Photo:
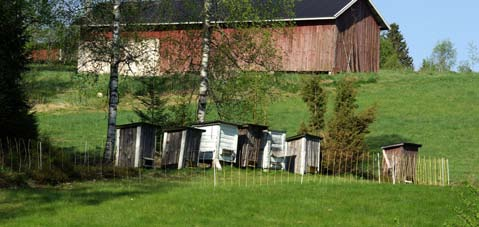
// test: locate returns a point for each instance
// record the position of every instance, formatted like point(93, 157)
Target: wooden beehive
point(135, 145)
point(399, 161)
point(274, 148)
point(219, 139)
point(181, 147)
point(250, 139)
point(303, 154)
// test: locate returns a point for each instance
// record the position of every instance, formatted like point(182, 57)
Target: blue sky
point(424, 22)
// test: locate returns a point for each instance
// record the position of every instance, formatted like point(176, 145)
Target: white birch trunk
point(201, 111)
point(113, 85)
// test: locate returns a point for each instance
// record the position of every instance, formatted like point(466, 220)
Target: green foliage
point(315, 97)
point(243, 98)
point(394, 50)
point(347, 129)
point(464, 67)
point(444, 56)
point(16, 118)
point(303, 129)
point(153, 102)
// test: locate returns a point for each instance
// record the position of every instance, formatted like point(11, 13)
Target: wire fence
point(18, 155)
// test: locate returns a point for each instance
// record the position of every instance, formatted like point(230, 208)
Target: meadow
point(166, 200)
point(437, 110)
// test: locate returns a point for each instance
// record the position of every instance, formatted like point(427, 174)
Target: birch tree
point(201, 112)
point(113, 84)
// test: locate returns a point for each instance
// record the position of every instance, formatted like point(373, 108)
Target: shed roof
point(264, 127)
point(401, 145)
point(308, 136)
point(166, 12)
point(211, 123)
point(178, 129)
point(136, 124)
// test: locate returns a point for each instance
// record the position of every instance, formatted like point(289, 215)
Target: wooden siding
point(147, 144)
point(357, 47)
point(403, 161)
point(249, 145)
point(294, 154)
point(192, 148)
point(171, 151)
point(127, 144)
point(313, 157)
point(307, 47)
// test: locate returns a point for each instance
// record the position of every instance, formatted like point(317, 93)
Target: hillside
point(438, 111)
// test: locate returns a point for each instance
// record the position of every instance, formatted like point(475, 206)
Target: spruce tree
point(315, 98)
point(16, 117)
point(345, 139)
point(400, 47)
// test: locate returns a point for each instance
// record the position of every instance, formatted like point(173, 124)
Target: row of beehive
point(247, 145)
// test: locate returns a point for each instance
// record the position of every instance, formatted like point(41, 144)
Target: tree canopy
point(16, 117)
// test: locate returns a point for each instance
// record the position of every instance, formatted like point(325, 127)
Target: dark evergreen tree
point(16, 117)
point(154, 105)
point(315, 98)
point(345, 139)
point(400, 48)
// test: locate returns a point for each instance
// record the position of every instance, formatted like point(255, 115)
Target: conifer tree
point(400, 48)
point(16, 118)
point(345, 139)
point(315, 98)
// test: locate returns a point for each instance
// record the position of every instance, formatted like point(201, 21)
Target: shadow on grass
point(376, 142)
point(46, 201)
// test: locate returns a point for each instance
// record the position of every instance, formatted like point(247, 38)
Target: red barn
point(329, 36)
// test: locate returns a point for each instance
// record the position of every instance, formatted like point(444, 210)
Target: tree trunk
point(201, 111)
point(113, 86)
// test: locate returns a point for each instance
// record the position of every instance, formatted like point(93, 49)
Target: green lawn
point(161, 202)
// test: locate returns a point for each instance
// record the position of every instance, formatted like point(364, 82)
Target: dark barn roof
point(164, 12)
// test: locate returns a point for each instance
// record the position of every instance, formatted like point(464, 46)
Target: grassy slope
point(173, 203)
point(438, 111)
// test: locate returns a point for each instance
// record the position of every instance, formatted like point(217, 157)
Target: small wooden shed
point(303, 154)
point(135, 145)
point(181, 147)
point(219, 138)
point(250, 140)
point(274, 150)
point(399, 161)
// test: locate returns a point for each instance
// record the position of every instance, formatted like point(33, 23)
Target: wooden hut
point(135, 145)
point(250, 141)
point(219, 138)
point(303, 154)
point(274, 150)
point(181, 147)
point(399, 161)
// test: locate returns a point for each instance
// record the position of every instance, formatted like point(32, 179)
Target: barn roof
point(167, 12)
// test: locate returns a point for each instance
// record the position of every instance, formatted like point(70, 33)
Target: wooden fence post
point(379, 170)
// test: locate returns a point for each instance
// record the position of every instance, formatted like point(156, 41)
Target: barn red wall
point(357, 48)
point(308, 47)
